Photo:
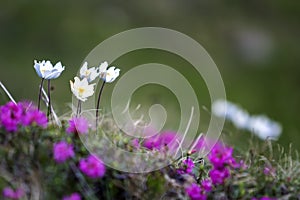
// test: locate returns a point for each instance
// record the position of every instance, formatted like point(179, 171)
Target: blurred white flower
point(260, 125)
point(232, 112)
point(240, 119)
point(82, 89)
point(46, 70)
point(110, 74)
point(89, 73)
point(263, 127)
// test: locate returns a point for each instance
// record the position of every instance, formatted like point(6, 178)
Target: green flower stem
point(40, 93)
point(78, 108)
point(49, 103)
point(98, 104)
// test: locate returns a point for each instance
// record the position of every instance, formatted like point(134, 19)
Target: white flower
point(240, 119)
point(232, 112)
point(110, 74)
point(102, 68)
point(90, 74)
point(82, 89)
point(260, 125)
point(263, 127)
point(46, 70)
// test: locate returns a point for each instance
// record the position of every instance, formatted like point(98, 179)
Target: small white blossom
point(263, 127)
point(260, 125)
point(102, 68)
point(89, 73)
point(46, 70)
point(82, 89)
point(110, 74)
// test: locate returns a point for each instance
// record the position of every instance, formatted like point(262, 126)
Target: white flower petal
point(103, 66)
point(45, 69)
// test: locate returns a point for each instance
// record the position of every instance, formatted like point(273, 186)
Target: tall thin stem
point(78, 108)
point(40, 93)
point(98, 103)
point(49, 104)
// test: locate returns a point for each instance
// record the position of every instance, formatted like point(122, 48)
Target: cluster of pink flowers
point(13, 115)
point(264, 198)
point(10, 193)
point(74, 196)
point(165, 139)
point(199, 192)
point(186, 167)
point(221, 158)
point(78, 125)
point(222, 161)
point(92, 166)
point(62, 151)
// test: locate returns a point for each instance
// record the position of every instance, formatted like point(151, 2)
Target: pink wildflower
point(206, 185)
point(92, 166)
point(195, 192)
point(10, 116)
point(167, 138)
point(218, 176)
point(13, 194)
point(78, 125)
point(62, 151)
point(187, 166)
point(74, 196)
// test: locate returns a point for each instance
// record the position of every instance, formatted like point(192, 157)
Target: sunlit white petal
point(82, 89)
point(46, 70)
point(89, 73)
point(111, 74)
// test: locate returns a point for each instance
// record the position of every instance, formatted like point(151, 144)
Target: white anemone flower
point(110, 74)
point(89, 73)
point(82, 89)
point(102, 68)
point(46, 70)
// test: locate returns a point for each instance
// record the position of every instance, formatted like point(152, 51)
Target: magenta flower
point(218, 176)
point(92, 166)
point(167, 138)
point(74, 196)
point(187, 167)
point(62, 151)
point(264, 198)
point(221, 156)
point(78, 125)
point(8, 192)
point(269, 171)
point(35, 117)
point(206, 185)
point(24, 113)
point(195, 192)
point(10, 116)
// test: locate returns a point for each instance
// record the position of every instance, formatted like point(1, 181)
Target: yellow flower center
point(81, 90)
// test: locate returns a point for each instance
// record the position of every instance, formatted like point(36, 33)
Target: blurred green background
point(255, 45)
